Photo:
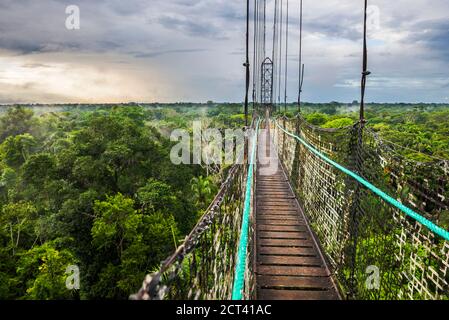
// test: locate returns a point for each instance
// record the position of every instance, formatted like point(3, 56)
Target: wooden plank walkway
point(289, 265)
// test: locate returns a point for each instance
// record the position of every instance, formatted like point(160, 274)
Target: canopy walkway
point(314, 213)
point(289, 263)
point(309, 227)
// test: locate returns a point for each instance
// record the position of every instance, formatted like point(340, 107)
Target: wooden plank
point(268, 188)
point(277, 215)
point(283, 235)
point(273, 176)
point(279, 196)
point(277, 211)
point(297, 228)
point(270, 294)
point(276, 203)
point(271, 197)
point(274, 194)
point(291, 271)
point(285, 242)
point(280, 207)
point(265, 216)
point(272, 282)
point(287, 251)
point(273, 260)
point(276, 198)
point(279, 222)
point(276, 175)
point(266, 183)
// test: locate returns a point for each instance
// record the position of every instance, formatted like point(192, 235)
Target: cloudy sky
point(193, 50)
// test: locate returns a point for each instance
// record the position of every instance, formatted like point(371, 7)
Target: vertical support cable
point(280, 53)
point(285, 82)
point(286, 62)
point(254, 54)
point(264, 28)
point(301, 65)
point(259, 48)
point(259, 44)
point(246, 64)
point(365, 72)
point(358, 167)
point(274, 53)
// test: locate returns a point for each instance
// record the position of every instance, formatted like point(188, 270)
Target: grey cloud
point(21, 46)
point(36, 65)
point(336, 26)
point(432, 33)
point(160, 53)
point(201, 29)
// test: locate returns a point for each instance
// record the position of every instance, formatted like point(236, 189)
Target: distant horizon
point(206, 103)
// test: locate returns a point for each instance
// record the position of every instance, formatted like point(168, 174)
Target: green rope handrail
point(239, 276)
point(409, 212)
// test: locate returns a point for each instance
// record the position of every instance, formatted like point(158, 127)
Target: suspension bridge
point(314, 214)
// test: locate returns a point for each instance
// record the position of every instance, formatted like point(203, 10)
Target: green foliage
point(38, 168)
point(317, 119)
point(17, 121)
point(421, 132)
point(203, 191)
point(17, 221)
point(339, 123)
point(157, 196)
point(115, 223)
point(43, 271)
point(91, 186)
point(131, 235)
point(14, 151)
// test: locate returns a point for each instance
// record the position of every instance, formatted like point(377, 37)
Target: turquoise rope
point(430, 225)
point(239, 278)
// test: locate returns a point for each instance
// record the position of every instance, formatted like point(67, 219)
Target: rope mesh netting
point(360, 232)
point(203, 267)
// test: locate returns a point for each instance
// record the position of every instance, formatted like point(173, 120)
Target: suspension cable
point(258, 52)
point(254, 53)
point(264, 28)
point(274, 53)
point(286, 62)
point(246, 64)
point(301, 65)
point(365, 72)
point(280, 53)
